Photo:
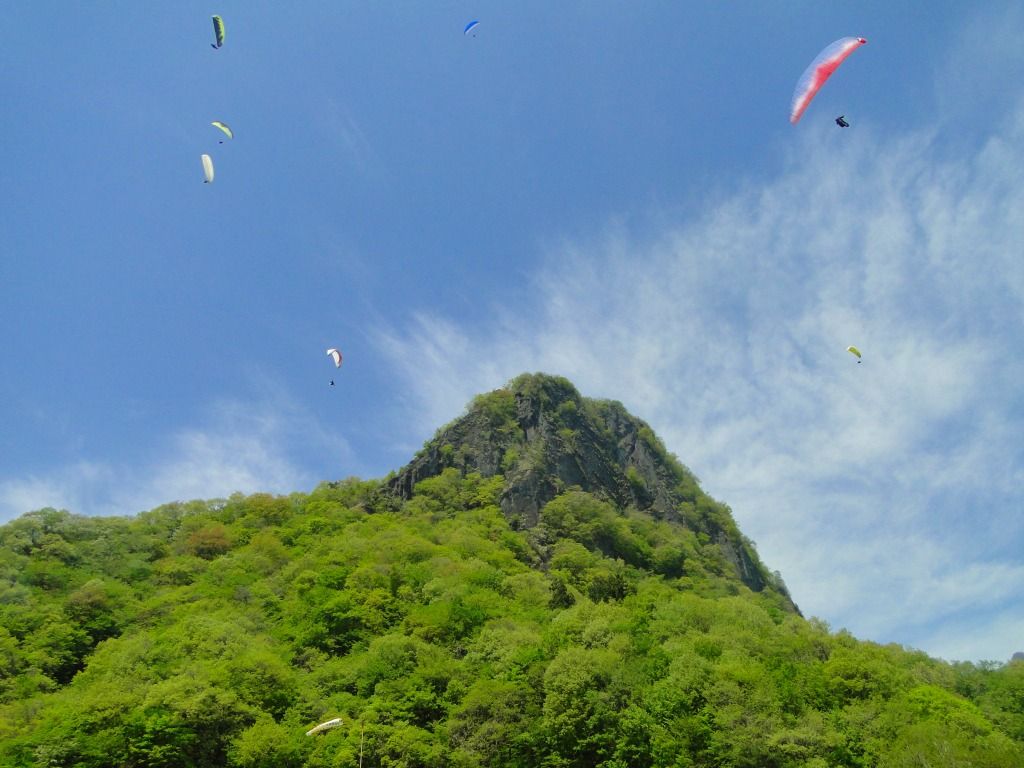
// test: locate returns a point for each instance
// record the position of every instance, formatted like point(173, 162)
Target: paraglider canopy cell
point(820, 70)
point(218, 32)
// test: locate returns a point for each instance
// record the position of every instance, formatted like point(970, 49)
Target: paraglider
point(824, 64)
point(208, 169)
point(841, 122)
point(335, 355)
point(470, 27)
point(324, 726)
point(218, 32)
point(223, 127)
point(854, 351)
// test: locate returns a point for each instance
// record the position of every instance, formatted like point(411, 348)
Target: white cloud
point(975, 639)
point(888, 493)
point(66, 489)
point(245, 447)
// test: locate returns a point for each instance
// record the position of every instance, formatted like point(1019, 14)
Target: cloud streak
point(243, 446)
point(888, 493)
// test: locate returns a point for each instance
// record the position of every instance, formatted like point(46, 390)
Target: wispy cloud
point(339, 124)
point(242, 446)
point(888, 492)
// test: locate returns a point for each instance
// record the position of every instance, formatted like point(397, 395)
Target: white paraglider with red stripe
point(820, 70)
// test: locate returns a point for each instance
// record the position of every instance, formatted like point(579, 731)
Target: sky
point(606, 191)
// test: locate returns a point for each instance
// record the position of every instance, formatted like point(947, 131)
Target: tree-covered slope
point(445, 632)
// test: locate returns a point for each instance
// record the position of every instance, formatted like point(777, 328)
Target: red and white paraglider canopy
point(820, 70)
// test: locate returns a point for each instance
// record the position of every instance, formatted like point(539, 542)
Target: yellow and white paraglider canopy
point(854, 351)
point(224, 128)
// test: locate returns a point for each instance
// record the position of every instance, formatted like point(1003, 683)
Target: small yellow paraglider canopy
point(223, 127)
point(854, 351)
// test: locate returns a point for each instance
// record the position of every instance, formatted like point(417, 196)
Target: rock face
point(544, 438)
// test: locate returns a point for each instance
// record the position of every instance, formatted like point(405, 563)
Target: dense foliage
point(213, 634)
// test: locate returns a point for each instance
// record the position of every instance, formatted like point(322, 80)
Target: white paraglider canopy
point(324, 726)
point(208, 169)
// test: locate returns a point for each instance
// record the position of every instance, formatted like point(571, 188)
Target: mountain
point(544, 438)
point(542, 585)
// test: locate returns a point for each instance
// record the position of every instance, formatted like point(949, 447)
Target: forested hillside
point(446, 627)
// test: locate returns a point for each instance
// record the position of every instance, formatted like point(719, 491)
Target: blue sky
point(608, 191)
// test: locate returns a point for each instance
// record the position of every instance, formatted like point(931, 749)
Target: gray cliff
point(544, 438)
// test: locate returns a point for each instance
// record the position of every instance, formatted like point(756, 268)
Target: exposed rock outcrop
point(544, 438)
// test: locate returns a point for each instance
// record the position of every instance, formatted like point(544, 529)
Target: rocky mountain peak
point(544, 438)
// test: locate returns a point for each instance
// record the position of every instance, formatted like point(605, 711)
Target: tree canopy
point(216, 633)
